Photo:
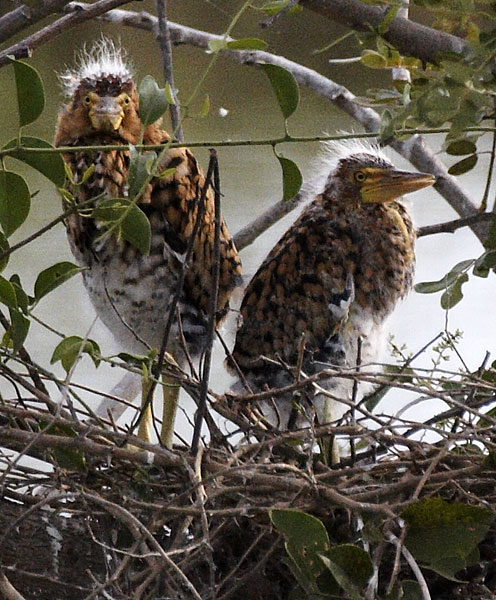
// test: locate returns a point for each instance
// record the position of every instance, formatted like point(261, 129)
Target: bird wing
point(176, 198)
point(305, 286)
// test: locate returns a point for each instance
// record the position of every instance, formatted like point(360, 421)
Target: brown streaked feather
point(120, 280)
point(342, 264)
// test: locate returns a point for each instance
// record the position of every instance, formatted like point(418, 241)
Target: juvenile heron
point(321, 296)
point(131, 291)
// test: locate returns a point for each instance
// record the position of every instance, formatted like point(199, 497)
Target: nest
point(106, 515)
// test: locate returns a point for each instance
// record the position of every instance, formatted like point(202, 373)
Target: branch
point(8, 591)
point(23, 17)
point(249, 233)
point(413, 149)
point(163, 38)
point(25, 47)
point(409, 38)
point(452, 226)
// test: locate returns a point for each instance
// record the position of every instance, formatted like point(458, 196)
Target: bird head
point(369, 178)
point(103, 95)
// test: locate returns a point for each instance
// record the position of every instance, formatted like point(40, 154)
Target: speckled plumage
point(131, 292)
point(333, 278)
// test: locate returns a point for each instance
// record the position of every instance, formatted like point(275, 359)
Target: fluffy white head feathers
point(103, 58)
point(325, 164)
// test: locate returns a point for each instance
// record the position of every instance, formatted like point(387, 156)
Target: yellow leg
point(171, 390)
point(145, 428)
point(330, 449)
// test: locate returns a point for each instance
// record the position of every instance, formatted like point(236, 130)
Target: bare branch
point(23, 17)
point(409, 38)
point(8, 591)
point(26, 46)
point(455, 224)
point(163, 38)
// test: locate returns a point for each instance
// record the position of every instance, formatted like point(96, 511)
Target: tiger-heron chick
point(130, 291)
point(326, 288)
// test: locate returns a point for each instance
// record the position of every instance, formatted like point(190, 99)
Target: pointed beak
point(106, 114)
point(385, 185)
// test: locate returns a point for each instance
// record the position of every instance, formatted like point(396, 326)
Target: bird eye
point(359, 176)
point(87, 100)
point(127, 100)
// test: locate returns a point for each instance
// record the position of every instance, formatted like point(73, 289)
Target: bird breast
point(131, 292)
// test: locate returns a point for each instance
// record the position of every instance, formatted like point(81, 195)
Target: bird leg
point(146, 418)
point(170, 389)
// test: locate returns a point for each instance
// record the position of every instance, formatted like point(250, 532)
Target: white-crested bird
point(132, 291)
point(328, 285)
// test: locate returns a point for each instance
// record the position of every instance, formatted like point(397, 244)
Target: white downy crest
point(104, 57)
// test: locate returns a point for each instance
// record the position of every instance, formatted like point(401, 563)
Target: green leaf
point(51, 278)
point(463, 165)
point(169, 94)
point(71, 347)
point(217, 45)
point(15, 201)
point(205, 107)
point(306, 538)
point(430, 287)
point(4, 246)
point(291, 177)
point(128, 220)
point(67, 458)
point(373, 60)
point(406, 590)
point(49, 165)
point(461, 148)
point(152, 101)
point(272, 8)
point(136, 229)
point(350, 566)
point(439, 533)
point(140, 170)
point(458, 70)
point(485, 263)
point(247, 44)
point(7, 293)
point(285, 88)
point(22, 297)
point(384, 24)
point(453, 294)
point(386, 126)
point(30, 94)
point(19, 329)
point(167, 173)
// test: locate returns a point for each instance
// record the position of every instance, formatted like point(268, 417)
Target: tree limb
point(25, 47)
point(409, 38)
point(452, 226)
point(23, 17)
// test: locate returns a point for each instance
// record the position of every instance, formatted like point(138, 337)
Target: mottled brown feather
point(171, 205)
point(303, 286)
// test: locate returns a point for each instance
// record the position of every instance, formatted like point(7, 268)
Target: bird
point(322, 295)
point(131, 291)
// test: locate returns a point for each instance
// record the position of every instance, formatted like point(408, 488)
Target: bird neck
point(398, 214)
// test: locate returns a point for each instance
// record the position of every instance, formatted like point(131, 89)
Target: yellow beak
point(106, 114)
point(383, 185)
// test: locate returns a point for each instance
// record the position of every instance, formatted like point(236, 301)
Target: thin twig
point(202, 403)
point(128, 518)
point(163, 38)
point(413, 565)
